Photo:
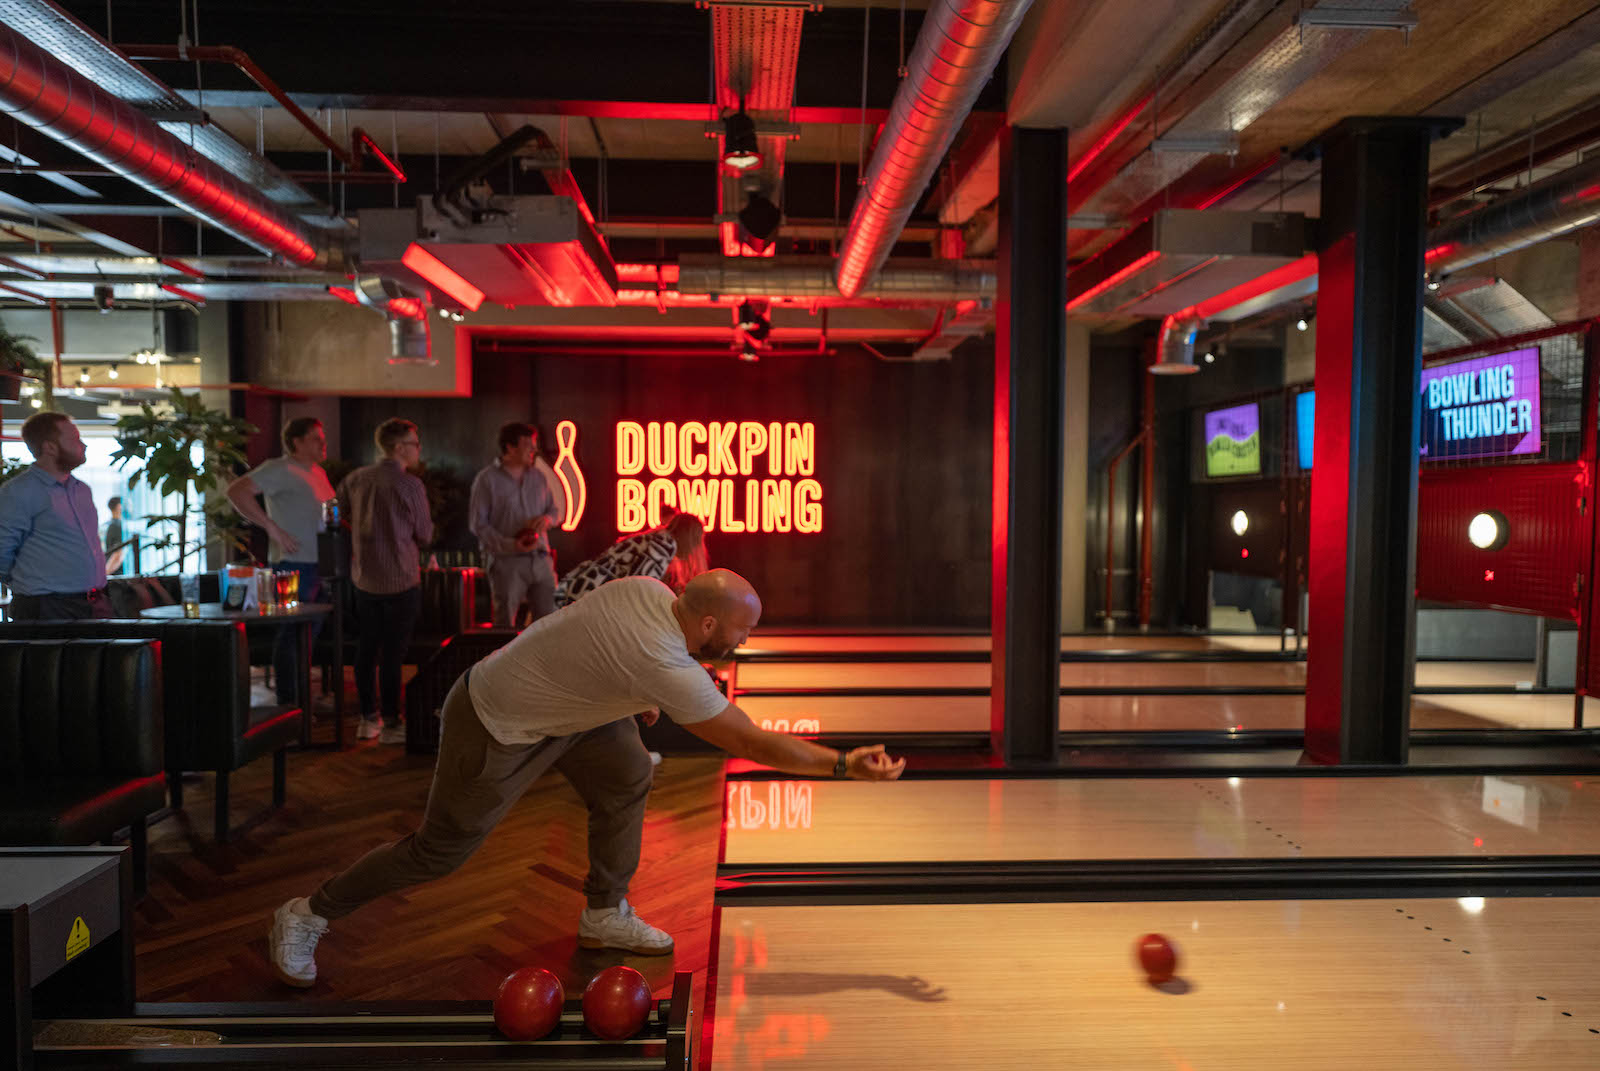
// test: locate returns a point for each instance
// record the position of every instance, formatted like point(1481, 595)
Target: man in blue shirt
point(50, 551)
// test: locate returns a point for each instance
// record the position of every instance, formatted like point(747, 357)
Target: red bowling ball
point(616, 1003)
point(528, 1004)
point(1158, 958)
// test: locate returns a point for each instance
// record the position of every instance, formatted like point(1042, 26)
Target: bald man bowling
point(563, 694)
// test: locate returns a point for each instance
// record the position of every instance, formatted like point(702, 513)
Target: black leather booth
point(81, 741)
point(210, 724)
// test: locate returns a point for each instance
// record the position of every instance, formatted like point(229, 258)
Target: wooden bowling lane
point(1133, 675)
point(1319, 985)
point(802, 822)
point(937, 643)
point(1134, 713)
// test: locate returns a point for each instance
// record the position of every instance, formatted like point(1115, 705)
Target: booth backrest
point(80, 706)
point(205, 673)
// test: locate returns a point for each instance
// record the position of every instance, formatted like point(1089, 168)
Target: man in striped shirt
point(387, 509)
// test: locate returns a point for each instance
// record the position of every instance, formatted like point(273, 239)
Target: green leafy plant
point(18, 357)
point(10, 468)
point(163, 440)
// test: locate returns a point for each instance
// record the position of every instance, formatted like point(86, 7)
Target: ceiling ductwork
point(71, 107)
point(1547, 209)
point(812, 277)
point(957, 49)
point(1182, 257)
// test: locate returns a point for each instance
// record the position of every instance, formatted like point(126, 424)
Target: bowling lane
point(801, 822)
point(912, 674)
point(939, 643)
point(1389, 985)
point(1134, 713)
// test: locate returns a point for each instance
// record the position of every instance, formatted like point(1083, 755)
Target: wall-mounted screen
point(1483, 407)
point(1305, 422)
point(1233, 441)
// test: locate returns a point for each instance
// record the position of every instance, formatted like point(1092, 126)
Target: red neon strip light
point(187, 295)
point(442, 276)
point(1249, 176)
point(1107, 138)
point(344, 294)
point(365, 143)
point(1113, 279)
point(177, 265)
point(410, 308)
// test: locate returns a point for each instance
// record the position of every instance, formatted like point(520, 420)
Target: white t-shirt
point(295, 494)
point(613, 653)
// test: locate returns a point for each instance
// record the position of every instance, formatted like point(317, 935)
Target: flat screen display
point(1233, 441)
point(1483, 407)
point(1305, 422)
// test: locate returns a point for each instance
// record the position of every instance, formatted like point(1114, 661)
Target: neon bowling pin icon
point(570, 474)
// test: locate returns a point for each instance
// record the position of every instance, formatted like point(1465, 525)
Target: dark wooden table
point(304, 618)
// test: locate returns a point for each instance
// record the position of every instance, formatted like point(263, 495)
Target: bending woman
point(673, 553)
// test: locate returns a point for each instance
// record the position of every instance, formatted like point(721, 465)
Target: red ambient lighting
point(409, 308)
point(442, 276)
point(1244, 552)
point(1113, 279)
point(1488, 574)
point(344, 294)
point(1107, 138)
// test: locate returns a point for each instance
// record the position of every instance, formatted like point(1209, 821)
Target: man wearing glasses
point(387, 509)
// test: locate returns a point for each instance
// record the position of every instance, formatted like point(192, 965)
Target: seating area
point(82, 740)
point(205, 718)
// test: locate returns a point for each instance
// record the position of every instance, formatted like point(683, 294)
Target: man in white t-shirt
point(294, 487)
point(563, 694)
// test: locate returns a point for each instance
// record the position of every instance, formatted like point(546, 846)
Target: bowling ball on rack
point(616, 1003)
point(528, 1004)
point(1158, 957)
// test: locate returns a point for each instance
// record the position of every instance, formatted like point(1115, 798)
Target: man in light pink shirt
point(387, 508)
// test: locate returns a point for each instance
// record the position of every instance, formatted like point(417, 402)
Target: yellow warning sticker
point(78, 940)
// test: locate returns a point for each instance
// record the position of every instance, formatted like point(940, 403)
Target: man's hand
point(873, 764)
point(651, 716)
point(527, 539)
point(288, 542)
point(540, 524)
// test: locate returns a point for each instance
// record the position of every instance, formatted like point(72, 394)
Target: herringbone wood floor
point(202, 928)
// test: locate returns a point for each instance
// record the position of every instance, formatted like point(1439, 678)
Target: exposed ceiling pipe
point(957, 49)
point(803, 277)
point(57, 100)
point(1564, 202)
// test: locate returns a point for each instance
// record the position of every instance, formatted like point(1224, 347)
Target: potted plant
point(19, 361)
point(164, 441)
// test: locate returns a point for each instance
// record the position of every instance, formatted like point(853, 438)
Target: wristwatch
point(842, 767)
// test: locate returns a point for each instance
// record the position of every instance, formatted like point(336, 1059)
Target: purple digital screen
point(1233, 441)
point(1483, 407)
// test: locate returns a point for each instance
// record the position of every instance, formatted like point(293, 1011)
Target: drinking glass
point(189, 584)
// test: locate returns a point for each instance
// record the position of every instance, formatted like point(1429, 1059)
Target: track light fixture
point(113, 374)
point(740, 150)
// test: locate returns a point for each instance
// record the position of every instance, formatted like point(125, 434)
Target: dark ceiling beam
point(1515, 155)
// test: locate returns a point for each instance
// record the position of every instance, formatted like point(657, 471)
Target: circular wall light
point(1488, 530)
point(1240, 523)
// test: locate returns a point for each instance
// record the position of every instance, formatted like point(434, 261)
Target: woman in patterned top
point(673, 553)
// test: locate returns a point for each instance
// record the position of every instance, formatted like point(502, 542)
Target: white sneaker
point(655, 758)
point(619, 927)
point(292, 944)
point(392, 734)
point(368, 729)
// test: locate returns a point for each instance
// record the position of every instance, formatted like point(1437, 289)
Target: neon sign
point(571, 476)
point(715, 466)
point(787, 805)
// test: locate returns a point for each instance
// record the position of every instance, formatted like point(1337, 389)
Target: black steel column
point(1362, 586)
point(1030, 358)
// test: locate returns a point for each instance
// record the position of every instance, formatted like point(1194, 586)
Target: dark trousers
point(58, 607)
point(477, 780)
point(386, 623)
point(286, 653)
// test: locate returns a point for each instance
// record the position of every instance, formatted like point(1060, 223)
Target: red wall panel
point(1547, 551)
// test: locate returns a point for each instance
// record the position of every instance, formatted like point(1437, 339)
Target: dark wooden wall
point(903, 455)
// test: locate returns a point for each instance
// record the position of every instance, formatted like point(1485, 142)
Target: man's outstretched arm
point(734, 732)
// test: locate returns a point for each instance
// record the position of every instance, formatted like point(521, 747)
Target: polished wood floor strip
point(804, 822)
point(201, 931)
point(1326, 984)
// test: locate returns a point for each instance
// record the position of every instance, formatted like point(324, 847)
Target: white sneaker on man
point(369, 729)
point(619, 927)
point(292, 943)
point(392, 734)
